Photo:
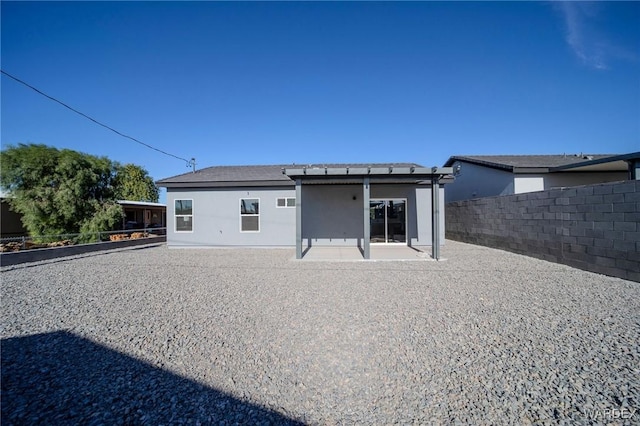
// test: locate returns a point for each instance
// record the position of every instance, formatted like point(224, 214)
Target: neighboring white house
point(479, 176)
point(291, 205)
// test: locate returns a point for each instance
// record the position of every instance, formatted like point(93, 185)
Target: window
point(184, 215)
point(285, 202)
point(250, 215)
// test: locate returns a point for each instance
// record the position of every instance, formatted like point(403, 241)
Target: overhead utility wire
point(189, 162)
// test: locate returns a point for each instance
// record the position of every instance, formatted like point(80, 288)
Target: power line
point(189, 162)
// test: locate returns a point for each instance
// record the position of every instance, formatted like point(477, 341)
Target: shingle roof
point(509, 162)
point(249, 175)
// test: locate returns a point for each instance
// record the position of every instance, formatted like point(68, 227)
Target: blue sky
point(314, 82)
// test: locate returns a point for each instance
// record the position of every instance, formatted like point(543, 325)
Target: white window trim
point(249, 215)
point(176, 216)
point(286, 204)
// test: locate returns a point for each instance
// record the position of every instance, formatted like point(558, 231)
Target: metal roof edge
point(140, 203)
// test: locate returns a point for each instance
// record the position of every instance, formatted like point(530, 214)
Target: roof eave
point(633, 156)
point(205, 184)
point(490, 164)
point(529, 170)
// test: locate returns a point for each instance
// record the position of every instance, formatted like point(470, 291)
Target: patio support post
point(367, 219)
point(298, 218)
point(435, 216)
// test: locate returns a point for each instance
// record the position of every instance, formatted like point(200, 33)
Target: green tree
point(107, 216)
point(64, 191)
point(133, 183)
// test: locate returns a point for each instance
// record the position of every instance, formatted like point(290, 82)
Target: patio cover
point(366, 176)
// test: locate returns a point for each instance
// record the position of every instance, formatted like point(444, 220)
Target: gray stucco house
point(479, 176)
point(303, 206)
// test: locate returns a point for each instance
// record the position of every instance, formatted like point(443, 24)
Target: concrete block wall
point(592, 227)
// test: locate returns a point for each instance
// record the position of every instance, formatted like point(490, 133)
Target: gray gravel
point(161, 336)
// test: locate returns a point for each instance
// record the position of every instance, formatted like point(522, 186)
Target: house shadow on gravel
point(59, 378)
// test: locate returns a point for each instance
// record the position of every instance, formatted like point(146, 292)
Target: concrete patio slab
point(378, 253)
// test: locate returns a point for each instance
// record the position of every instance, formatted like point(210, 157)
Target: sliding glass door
point(388, 221)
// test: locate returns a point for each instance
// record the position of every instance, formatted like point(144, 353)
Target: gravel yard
point(224, 336)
